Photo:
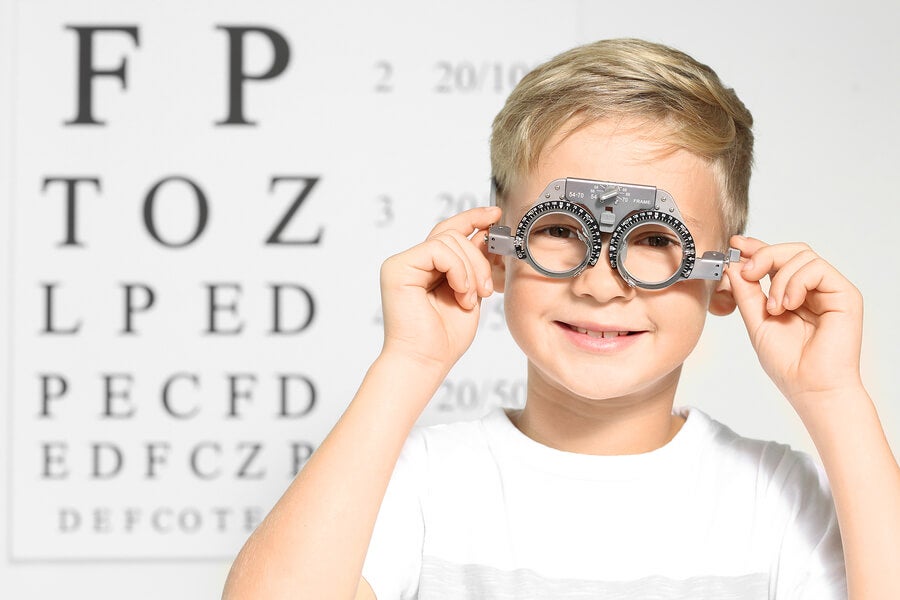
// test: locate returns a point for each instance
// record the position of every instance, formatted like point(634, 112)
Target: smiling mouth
point(597, 334)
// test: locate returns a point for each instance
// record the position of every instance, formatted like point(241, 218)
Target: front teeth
point(600, 334)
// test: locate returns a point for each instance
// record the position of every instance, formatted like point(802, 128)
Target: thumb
point(748, 295)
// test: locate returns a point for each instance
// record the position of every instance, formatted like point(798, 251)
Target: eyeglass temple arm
point(712, 264)
point(499, 240)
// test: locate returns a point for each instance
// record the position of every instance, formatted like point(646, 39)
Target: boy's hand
point(431, 293)
point(808, 331)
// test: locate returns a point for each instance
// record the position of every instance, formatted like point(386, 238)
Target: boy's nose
point(601, 282)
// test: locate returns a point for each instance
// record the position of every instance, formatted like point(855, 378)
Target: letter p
point(237, 75)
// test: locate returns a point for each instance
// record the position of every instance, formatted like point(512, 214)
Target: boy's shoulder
point(775, 470)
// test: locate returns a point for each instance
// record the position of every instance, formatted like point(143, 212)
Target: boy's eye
point(654, 240)
point(560, 231)
point(657, 241)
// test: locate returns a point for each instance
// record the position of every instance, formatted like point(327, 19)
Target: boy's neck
point(616, 426)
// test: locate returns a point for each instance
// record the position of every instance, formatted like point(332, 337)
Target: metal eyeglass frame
point(615, 209)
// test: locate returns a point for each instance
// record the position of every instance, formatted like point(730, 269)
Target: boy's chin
point(611, 389)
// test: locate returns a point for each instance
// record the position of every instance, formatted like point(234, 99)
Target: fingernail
point(785, 301)
point(747, 265)
point(488, 285)
point(473, 299)
point(770, 305)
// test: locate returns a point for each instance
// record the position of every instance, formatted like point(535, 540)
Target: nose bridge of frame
point(611, 202)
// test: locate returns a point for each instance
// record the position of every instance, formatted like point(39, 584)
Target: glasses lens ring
point(619, 240)
point(589, 235)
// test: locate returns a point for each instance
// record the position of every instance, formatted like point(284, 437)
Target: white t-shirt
point(479, 510)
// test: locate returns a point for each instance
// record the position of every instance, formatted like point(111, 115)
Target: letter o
point(202, 212)
point(189, 520)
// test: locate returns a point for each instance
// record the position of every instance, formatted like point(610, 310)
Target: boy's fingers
point(765, 259)
point(807, 278)
point(783, 276)
point(746, 290)
point(748, 295)
point(794, 270)
point(474, 250)
point(747, 245)
point(458, 245)
point(833, 292)
point(434, 259)
point(425, 266)
point(468, 221)
point(461, 228)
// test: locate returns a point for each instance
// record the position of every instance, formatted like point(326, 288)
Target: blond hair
point(629, 78)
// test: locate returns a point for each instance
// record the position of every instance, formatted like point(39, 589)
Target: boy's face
point(592, 335)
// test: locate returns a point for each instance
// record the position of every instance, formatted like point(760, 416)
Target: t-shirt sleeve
point(811, 558)
point(394, 558)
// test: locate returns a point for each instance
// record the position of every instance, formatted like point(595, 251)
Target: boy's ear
point(498, 271)
point(722, 302)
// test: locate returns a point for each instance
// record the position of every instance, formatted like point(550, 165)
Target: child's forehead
point(622, 149)
point(626, 151)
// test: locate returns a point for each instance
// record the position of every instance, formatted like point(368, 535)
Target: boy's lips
point(602, 338)
point(597, 334)
point(599, 331)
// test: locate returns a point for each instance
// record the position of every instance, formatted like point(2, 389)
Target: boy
point(597, 488)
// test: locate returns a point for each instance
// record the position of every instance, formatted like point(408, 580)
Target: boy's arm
point(314, 541)
point(808, 334)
